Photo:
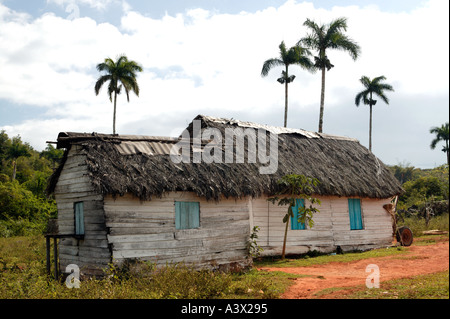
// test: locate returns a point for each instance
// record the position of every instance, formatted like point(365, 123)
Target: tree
point(293, 187)
point(53, 154)
point(403, 172)
point(442, 134)
point(121, 73)
point(5, 143)
point(15, 150)
point(323, 37)
point(376, 87)
point(295, 55)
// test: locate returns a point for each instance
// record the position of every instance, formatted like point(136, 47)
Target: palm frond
point(361, 96)
point(365, 81)
point(107, 65)
point(269, 64)
point(336, 26)
point(343, 43)
point(310, 41)
point(130, 84)
point(373, 86)
point(100, 81)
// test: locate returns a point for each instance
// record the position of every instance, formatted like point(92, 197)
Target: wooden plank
point(160, 245)
point(140, 238)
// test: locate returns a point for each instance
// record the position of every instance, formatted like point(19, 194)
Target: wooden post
point(55, 255)
point(47, 244)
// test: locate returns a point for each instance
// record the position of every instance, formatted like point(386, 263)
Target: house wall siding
point(146, 230)
point(90, 254)
point(331, 227)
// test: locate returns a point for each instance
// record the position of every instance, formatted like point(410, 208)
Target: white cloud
point(96, 4)
point(201, 61)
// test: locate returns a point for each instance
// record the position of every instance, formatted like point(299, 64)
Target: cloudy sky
point(205, 57)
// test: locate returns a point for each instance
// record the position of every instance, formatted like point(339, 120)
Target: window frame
point(78, 214)
point(193, 221)
point(353, 214)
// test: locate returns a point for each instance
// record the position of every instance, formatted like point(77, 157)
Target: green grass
point(418, 225)
point(23, 275)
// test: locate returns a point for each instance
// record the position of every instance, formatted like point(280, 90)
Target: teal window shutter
point(187, 215)
point(295, 225)
point(79, 218)
point(354, 210)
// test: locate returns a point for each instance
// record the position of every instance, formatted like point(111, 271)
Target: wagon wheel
point(404, 236)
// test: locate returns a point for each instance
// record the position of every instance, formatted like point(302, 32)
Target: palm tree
point(323, 37)
point(119, 73)
point(376, 87)
point(295, 55)
point(442, 134)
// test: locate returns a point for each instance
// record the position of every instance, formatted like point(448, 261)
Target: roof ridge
point(276, 129)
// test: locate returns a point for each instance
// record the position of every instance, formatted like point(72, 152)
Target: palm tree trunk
point(322, 100)
point(114, 113)
point(285, 103)
point(370, 127)
point(370, 122)
point(448, 159)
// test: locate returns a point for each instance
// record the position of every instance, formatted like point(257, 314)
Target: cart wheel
point(404, 236)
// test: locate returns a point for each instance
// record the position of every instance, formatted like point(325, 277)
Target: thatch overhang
point(141, 165)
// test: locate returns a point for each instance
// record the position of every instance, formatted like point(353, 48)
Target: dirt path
point(418, 261)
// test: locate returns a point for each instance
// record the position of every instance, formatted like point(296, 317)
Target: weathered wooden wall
point(331, 227)
point(146, 230)
point(91, 253)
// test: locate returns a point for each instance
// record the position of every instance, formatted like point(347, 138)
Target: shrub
point(21, 212)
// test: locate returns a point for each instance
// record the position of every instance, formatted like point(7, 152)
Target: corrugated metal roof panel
point(144, 147)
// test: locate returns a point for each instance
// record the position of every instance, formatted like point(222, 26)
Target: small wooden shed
point(123, 197)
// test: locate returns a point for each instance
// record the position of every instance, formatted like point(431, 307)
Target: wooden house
point(123, 197)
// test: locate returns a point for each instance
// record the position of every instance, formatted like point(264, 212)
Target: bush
point(418, 224)
point(21, 212)
point(21, 227)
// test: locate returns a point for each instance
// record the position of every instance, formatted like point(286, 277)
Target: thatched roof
point(141, 165)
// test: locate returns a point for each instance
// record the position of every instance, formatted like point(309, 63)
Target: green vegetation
point(23, 275)
point(24, 206)
point(441, 135)
point(419, 225)
point(425, 203)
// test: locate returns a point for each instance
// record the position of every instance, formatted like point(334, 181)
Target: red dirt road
point(419, 260)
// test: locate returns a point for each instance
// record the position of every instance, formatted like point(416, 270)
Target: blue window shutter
point(79, 218)
point(178, 215)
point(295, 225)
point(187, 215)
point(354, 210)
point(194, 214)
